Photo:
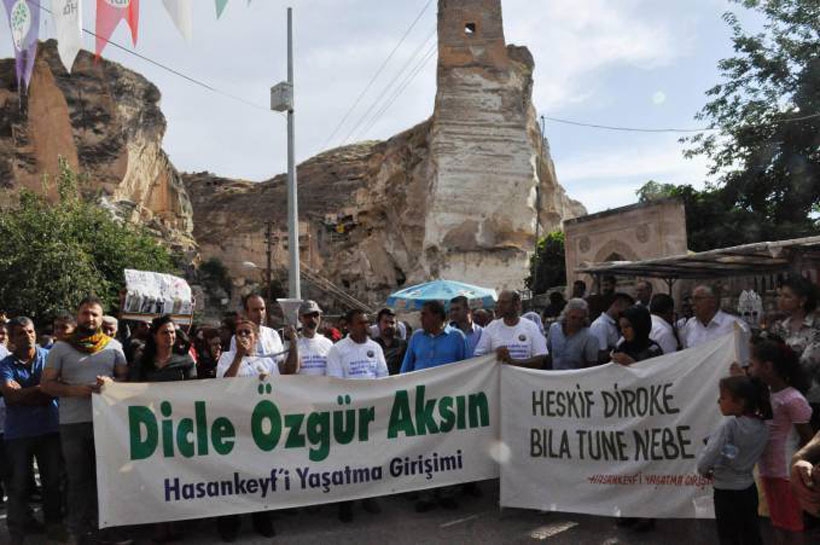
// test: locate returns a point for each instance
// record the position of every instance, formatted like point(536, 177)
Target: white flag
point(68, 20)
point(180, 12)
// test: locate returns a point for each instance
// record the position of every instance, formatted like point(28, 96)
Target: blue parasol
point(441, 290)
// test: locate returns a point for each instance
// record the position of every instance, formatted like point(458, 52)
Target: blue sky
point(632, 63)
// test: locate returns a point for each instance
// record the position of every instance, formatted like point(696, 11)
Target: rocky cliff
point(457, 196)
point(106, 122)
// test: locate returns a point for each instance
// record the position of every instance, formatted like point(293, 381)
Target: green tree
point(765, 151)
point(712, 219)
point(54, 254)
point(547, 264)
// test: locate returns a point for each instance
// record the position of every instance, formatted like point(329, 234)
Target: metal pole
point(294, 286)
point(269, 255)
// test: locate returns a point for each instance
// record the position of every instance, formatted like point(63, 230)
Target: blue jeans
point(20, 452)
point(81, 469)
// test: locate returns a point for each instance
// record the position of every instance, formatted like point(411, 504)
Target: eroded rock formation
point(106, 122)
point(453, 197)
point(456, 196)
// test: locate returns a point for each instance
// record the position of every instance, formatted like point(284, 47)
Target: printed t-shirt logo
point(522, 337)
point(370, 353)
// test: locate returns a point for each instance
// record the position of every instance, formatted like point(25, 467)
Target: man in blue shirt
point(461, 317)
point(436, 343)
point(32, 424)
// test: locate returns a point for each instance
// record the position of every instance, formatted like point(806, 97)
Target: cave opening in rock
point(469, 29)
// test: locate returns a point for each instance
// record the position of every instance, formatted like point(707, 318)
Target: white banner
point(173, 451)
point(613, 440)
point(150, 294)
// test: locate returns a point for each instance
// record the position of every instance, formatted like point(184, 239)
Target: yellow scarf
point(90, 344)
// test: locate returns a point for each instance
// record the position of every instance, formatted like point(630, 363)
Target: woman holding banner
point(243, 362)
point(159, 363)
point(636, 324)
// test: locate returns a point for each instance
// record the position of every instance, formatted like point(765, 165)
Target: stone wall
point(631, 233)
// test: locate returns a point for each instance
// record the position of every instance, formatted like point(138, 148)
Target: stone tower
point(485, 152)
point(471, 32)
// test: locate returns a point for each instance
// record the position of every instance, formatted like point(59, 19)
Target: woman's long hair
point(641, 321)
point(146, 363)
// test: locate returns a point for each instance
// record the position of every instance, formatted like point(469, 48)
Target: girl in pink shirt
point(773, 362)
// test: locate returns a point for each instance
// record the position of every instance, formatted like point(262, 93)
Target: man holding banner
point(515, 341)
point(357, 356)
point(76, 369)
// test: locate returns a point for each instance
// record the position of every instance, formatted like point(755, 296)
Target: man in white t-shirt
point(313, 347)
point(356, 356)
point(515, 341)
point(268, 342)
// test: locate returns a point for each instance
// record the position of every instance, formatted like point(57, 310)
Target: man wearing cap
point(313, 346)
point(110, 326)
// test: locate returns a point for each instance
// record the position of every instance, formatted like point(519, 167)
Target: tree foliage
point(712, 219)
point(547, 264)
point(765, 151)
point(54, 254)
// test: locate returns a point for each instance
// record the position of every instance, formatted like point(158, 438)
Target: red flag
point(109, 14)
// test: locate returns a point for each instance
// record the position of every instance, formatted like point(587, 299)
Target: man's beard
point(85, 330)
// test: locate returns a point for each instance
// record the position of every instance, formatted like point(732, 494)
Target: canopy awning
point(746, 260)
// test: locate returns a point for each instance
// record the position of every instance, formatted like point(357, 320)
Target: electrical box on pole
point(281, 97)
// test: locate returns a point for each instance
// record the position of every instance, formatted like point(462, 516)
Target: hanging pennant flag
point(109, 14)
point(180, 12)
point(220, 7)
point(68, 20)
point(24, 20)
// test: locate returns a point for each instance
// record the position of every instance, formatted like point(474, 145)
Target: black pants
point(736, 514)
point(5, 470)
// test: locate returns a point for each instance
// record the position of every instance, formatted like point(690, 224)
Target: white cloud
point(610, 178)
point(573, 40)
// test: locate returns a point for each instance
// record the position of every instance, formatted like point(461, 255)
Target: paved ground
point(478, 521)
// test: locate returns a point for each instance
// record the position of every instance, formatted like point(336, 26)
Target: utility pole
point(281, 99)
point(540, 171)
point(269, 255)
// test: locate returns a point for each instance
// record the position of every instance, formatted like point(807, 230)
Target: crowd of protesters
point(47, 382)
